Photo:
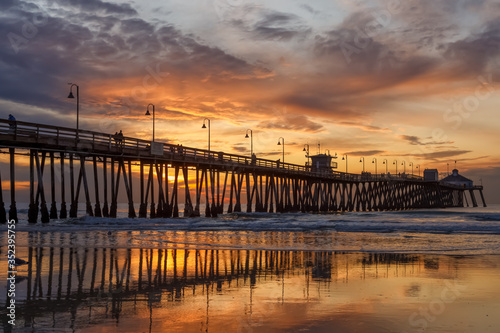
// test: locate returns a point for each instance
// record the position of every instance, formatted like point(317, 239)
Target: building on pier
point(457, 180)
point(322, 163)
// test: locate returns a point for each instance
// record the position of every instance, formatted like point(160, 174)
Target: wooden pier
point(98, 169)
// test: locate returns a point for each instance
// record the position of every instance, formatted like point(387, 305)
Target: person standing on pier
point(13, 124)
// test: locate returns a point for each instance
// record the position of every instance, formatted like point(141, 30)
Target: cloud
point(292, 122)
point(98, 6)
point(415, 140)
point(267, 24)
point(436, 155)
point(102, 48)
point(368, 128)
point(366, 153)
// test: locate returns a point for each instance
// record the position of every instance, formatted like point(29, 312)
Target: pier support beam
point(53, 207)
point(63, 213)
point(13, 208)
point(33, 208)
point(3, 213)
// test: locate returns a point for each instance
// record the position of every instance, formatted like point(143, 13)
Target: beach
point(414, 271)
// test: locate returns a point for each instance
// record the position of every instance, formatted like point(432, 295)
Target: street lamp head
point(71, 95)
point(361, 160)
point(147, 113)
point(279, 143)
point(246, 136)
point(304, 149)
point(343, 158)
point(373, 162)
point(203, 126)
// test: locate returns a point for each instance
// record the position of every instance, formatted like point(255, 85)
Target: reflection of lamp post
point(404, 164)
point(77, 104)
point(345, 161)
point(148, 114)
point(362, 159)
point(251, 141)
point(375, 162)
point(386, 165)
point(279, 143)
point(396, 163)
point(204, 126)
point(306, 150)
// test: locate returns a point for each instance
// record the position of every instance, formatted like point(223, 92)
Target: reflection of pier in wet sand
point(78, 287)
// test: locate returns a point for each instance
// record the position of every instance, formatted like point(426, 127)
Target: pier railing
point(32, 134)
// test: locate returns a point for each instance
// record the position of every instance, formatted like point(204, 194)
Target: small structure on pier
point(457, 180)
point(431, 175)
point(322, 163)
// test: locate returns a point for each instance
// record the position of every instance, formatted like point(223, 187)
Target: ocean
point(433, 270)
point(453, 230)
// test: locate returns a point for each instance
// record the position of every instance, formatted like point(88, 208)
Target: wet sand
point(117, 288)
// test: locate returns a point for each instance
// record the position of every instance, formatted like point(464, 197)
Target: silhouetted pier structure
point(100, 163)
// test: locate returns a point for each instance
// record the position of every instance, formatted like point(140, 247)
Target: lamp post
point(411, 164)
point(418, 167)
point(404, 165)
point(306, 150)
point(362, 159)
point(327, 150)
point(251, 141)
point(374, 161)
point(283, 144)
point(345, 161)
point(386, 165)
point(396, 163)
point(148, 114)
point(77, 104)
point(204, 126)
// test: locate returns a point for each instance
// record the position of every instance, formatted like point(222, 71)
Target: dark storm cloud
point(89, 41)
point(474, 53)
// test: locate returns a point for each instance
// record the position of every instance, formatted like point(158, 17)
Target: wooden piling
point(53, 208)
point(63, 212)
point(33, 208)
point(13, 208)
point(105, 208)
point(97, 207)
point(74, 204)
point(3, 213)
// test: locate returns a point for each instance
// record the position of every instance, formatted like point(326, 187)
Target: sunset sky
point(413, 81)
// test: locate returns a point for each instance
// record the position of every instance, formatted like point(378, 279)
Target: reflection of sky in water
point(107, 286)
